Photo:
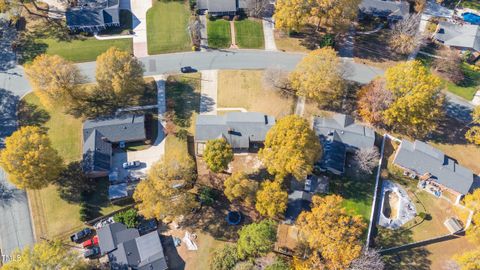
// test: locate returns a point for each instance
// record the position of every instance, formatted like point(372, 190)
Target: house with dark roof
point(459, 36)
point(126, 249)
point(221, 7)
point(391, 10)
point(93, 15)
point(244, 131)
point(99, 136)
point(339, 135)
point(431, 165)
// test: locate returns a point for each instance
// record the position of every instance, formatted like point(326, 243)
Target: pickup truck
point(78, 237)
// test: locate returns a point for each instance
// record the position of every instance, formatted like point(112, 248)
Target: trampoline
point(234, 218)
point(471, 18)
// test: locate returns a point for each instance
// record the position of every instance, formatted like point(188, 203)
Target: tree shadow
point(450, 130)
point(182, 100)
point(175, 261)
point(73, 185)
point(7, 36)
point(31, 115)
point(96, 104)
point(8, 108)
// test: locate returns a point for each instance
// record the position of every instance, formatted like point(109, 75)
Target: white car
point(308, 183)
point(131, 164)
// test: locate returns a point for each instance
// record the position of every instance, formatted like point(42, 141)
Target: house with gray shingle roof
point(390, 10)
point(431, 164)
point(458, 36)
point(339, 135)
point(221, 7)
point(126, 249)
point(93, 15)
point(244, 131)
point(99, 136)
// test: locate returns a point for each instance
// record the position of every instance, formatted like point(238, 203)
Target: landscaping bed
point(244, 89)
point(249, 34)
point(219, 35)
point(167, 27)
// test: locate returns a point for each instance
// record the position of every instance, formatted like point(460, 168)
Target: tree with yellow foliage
point(327, 14)
point(418, 100)
point(54, 79)
point(271, 199)
point(46, 255)
point(319, 77)
point(469, 260)
point(473, 134)
point(29, 159)
point(328, 229)
point(121, 74)
point(239, 187)
point(290, 147)
point(218, 154)
point(163, 194)
point(472, 201)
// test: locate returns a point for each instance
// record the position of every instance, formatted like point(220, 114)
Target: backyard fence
point(429, 241)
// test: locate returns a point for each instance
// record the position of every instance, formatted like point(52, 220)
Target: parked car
point(103, 223)
point(308, 183)
point(131, 164)
point(147, 226)
point(92, 252)
point(187, 69)
point(90, 242)
point(78, 237)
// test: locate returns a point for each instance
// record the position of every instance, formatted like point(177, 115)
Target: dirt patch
point(390, 205)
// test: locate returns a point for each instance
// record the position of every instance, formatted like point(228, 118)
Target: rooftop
point(395, 9)
point(465, 35)
point(91, 13)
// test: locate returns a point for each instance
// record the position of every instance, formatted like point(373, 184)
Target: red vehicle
point(91, 242)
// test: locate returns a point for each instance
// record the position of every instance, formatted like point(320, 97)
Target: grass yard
point(467, 155)
point(54, 217)
point(183, 98)
point(244, 89)
point(473, 4)
point(289, 44)
point(249, 34)
point(219, 35)
point(167, 24)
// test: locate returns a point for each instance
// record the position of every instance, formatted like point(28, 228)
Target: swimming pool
point(471, 18)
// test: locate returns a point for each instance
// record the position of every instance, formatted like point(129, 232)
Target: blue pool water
point(471, 18)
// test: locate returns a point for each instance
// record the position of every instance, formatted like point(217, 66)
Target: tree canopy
point(224, 258)
point(120, 73)
point(239, 187)
point(159, 196)
point(319, 77)
point(218, 154)
point(271, 199)
point(326, 14)
point(328, 229)
point(54, 79)
point(256, 239)
point(46, 255)
point(29, 159)
point(291, 147)
point(473, 134)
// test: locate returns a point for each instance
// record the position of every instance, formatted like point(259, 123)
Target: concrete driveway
point(139, 20)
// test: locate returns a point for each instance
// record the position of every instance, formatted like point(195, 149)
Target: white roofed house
point(459, 36)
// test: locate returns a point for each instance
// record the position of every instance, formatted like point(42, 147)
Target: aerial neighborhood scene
point(240, 134)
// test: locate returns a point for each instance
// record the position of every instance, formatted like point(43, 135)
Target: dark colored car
point(147, 226)
point(92, 252)
point(78, 237)
point(188, 69)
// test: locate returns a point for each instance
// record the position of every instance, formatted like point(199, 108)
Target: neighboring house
point(100, 135)
point(287, 239)
point(244, 131)
point(391, 10)
point(126, 249)
point(458, 36)
point(298, 201)
point(443, 175)
point(93, 15)
point(221, 7)
point(339, 135)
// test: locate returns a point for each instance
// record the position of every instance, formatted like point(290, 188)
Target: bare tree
point(195, 28)
point(277, 79)
point(449, 65)
point(369, 260)
point(405, 35)
point(373, 100)
point(259, 8)
point(366, 159)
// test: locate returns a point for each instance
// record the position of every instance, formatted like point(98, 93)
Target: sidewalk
point(139, 20)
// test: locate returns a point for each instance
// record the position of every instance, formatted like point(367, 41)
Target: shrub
point(182, 134)
point(84, 212)
point(210, 17)
point(207, 196)
point(128, 217)
point(226, 18)
point(327, 41)
point(237, 18)
point(224, 258)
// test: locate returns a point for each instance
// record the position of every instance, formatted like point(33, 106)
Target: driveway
point(139, 20)
point(209, 86)
point(268, 26)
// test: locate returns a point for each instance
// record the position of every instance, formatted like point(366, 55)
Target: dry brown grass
point(467, 155)
point(244, 89)
point(289, 44)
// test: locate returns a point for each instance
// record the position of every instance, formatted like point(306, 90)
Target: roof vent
point(231, 130)
point(124, 127)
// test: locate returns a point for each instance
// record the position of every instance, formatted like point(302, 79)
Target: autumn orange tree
point(323, 14)
point(330, 231)
point(471, 260)
point(29, 159)
point(291, 147)
point(319, 77)
point(473, 134)
point(373, 100)
point(271, 199)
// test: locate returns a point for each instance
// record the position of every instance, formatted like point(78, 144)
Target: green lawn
point(473, 4)
point(219, 35)
point(249, 34)
point(167, 24)
point(83, 50)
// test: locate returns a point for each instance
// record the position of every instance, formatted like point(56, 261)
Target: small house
point(100, 135)
point(244, 131)
point(93, 15)
point(458, 36)
point(438, 173)
point(392, 11)
point(219, 8)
